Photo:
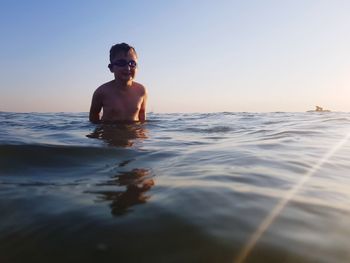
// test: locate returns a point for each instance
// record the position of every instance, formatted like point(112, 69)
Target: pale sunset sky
point(194, 56)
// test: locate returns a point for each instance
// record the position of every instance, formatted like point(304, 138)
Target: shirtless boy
point(121, 99)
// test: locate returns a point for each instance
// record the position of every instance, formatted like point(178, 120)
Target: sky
point(194, 56)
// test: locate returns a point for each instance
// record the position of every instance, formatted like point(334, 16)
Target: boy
point(121, 99)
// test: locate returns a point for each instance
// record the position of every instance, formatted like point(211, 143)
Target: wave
point(215, 129)
point(20, 158)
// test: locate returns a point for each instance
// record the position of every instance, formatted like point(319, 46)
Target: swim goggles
point(123, 63)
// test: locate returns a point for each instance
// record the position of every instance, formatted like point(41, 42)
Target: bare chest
point(121, 106)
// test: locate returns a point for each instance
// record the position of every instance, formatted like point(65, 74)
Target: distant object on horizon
point(318, 109)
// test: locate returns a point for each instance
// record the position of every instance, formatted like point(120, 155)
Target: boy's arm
point(96, 106)
point(142, 112)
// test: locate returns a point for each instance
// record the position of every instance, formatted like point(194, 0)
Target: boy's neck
point(123, 84)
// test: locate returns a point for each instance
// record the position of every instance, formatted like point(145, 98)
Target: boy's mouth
point(126, 74)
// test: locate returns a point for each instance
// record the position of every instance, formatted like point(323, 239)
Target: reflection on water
point(120, 134)
point(137, 182)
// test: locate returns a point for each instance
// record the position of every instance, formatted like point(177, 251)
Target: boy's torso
point(121, 104)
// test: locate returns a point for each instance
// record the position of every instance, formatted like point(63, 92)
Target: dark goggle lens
point(123, 63)
point(132, 64)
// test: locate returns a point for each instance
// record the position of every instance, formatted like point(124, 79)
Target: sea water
point(178, 188)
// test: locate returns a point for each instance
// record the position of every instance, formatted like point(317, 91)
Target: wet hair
point(118, 48)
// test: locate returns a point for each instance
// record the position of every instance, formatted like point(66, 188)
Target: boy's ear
point(110, 67)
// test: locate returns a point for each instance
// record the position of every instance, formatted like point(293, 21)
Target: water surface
point(179, 188)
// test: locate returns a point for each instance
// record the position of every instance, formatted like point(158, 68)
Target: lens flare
point(244, 253)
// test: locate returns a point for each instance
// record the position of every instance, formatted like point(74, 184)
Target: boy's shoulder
point(141, 88)
point(104, 87)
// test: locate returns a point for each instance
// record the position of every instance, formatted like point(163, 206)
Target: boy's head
point(123, 61)
point(120, 48)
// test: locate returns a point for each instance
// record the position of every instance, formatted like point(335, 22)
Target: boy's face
point(124, 66)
